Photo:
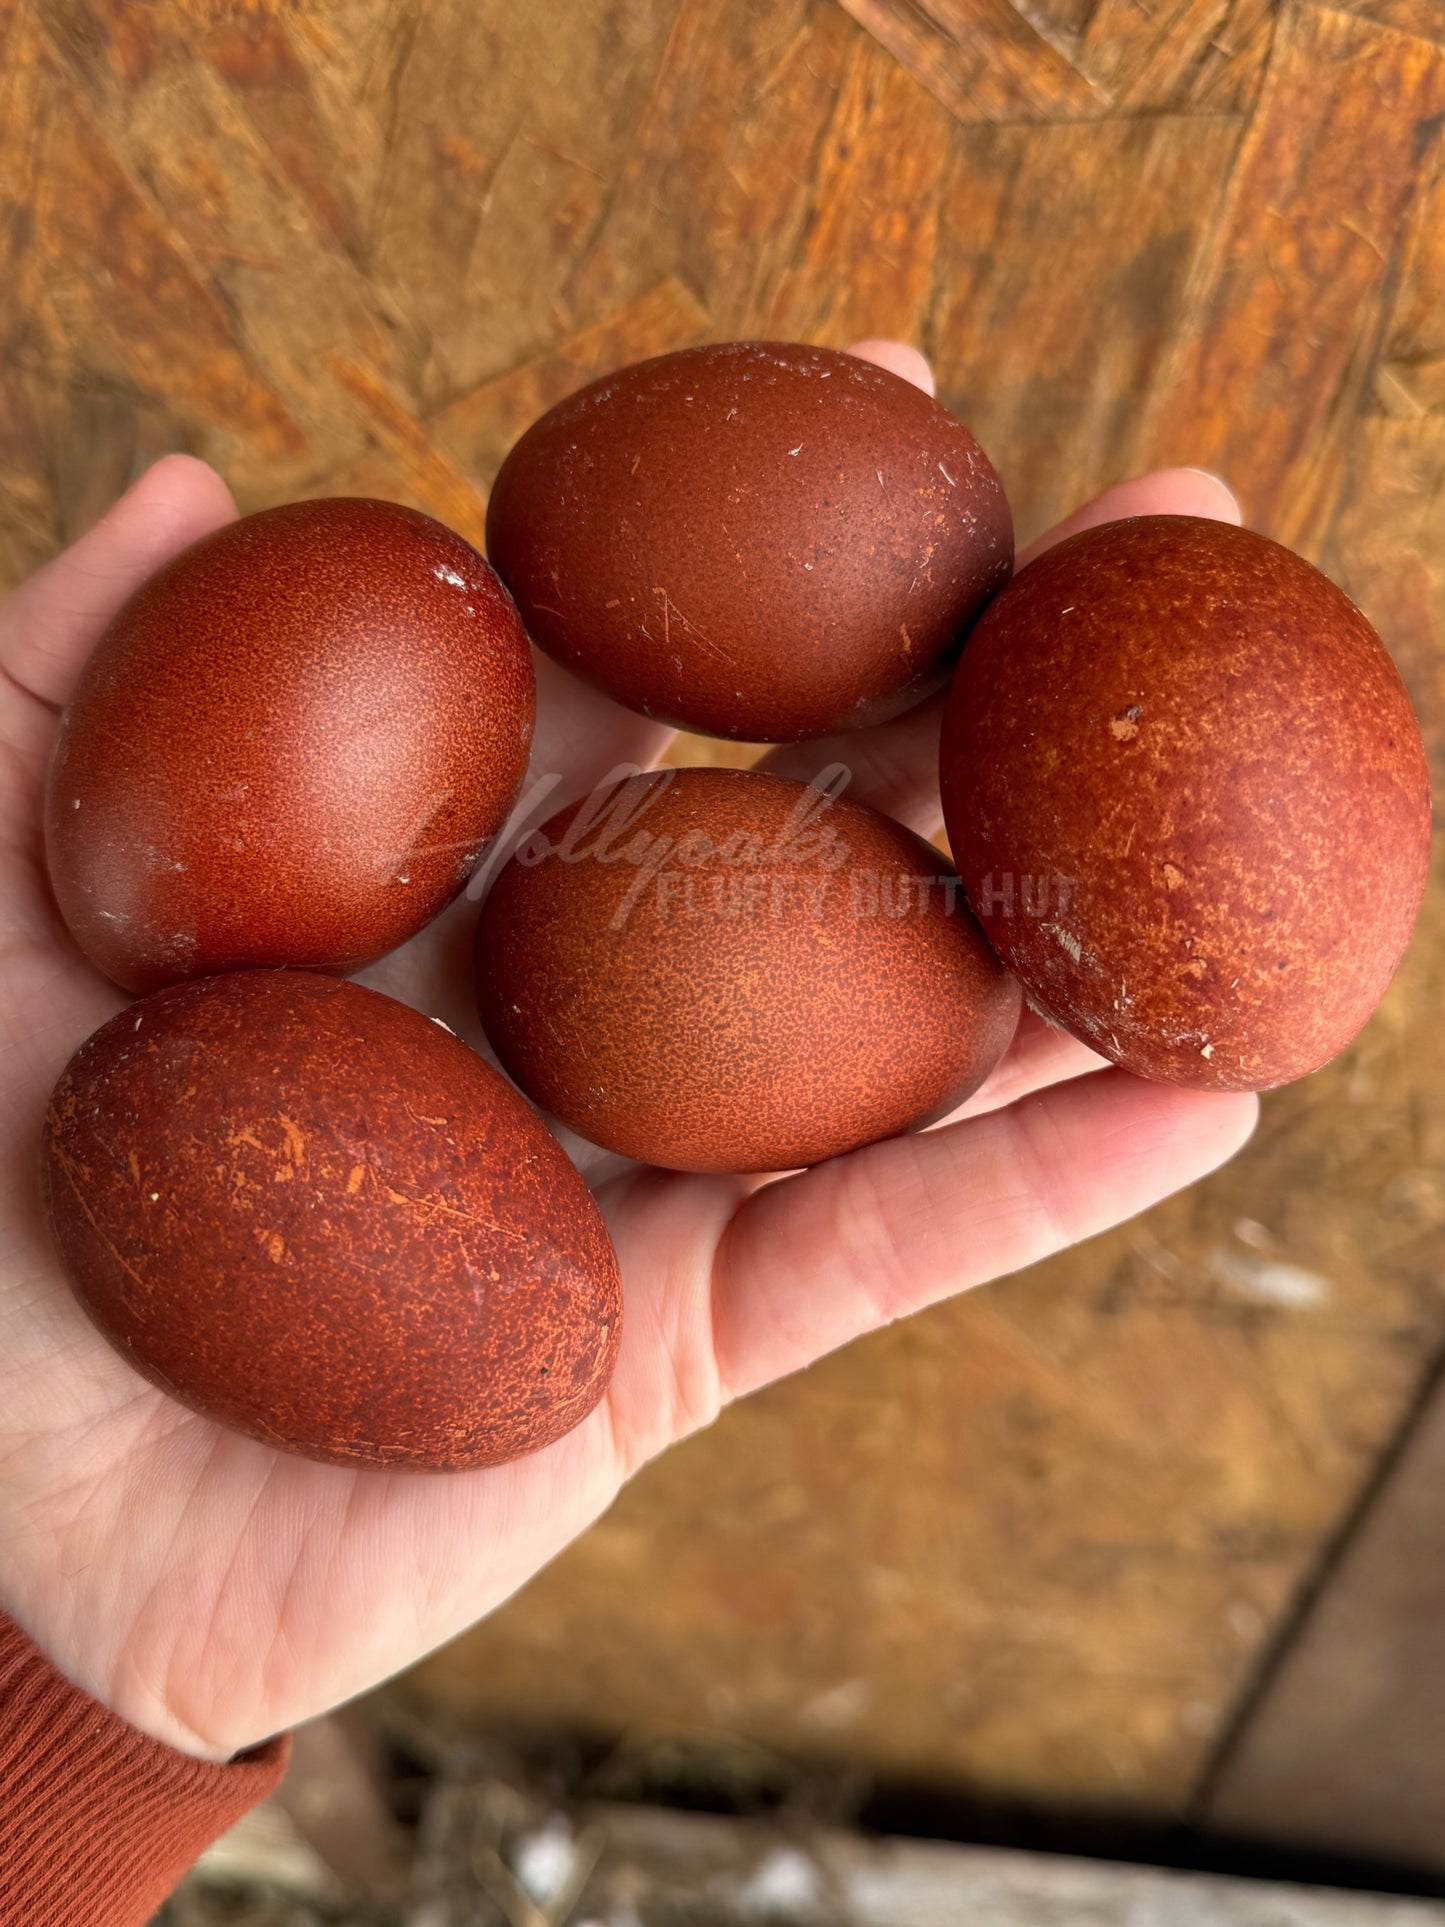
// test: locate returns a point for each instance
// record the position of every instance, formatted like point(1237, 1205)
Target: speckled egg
point(724, 970)
point(1189, 801)
point(314, 1215)
point(756, 539)
point(289, 747)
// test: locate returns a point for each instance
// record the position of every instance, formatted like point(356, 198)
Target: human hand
point(213, 1591)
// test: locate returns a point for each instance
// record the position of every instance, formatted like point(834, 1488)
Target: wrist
point(119, 1686)
point(73, 1771)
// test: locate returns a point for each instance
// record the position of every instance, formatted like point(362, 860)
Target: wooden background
point(1053, 1540)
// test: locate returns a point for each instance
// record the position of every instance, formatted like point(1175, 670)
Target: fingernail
point(1218, 480)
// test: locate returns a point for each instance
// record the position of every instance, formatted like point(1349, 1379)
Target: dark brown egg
point(316, 1216)
point(723, 970)
point(756, 539)
point(289, 747)
point(1189, 800)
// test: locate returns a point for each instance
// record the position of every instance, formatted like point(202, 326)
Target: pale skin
point(213, 1591)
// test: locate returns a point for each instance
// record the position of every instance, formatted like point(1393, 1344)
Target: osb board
point(1035, 1542)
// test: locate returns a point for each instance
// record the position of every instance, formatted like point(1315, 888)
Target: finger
point(1165, 491)
point(895, 766)
point(50, 624)
point(816, 1260)
point(583, 735)
point(898, 358)
point(1040, 1056)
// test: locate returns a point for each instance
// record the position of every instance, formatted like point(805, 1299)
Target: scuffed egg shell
point(1189, 800)
point(759, 540)
point(312, 1214)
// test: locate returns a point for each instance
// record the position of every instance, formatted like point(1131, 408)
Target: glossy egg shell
point(1188, 797)
point(289, 747)
point(719, 970)
point(756, 539)
point(314, 1215)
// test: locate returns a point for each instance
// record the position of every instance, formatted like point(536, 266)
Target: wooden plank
point(1283, 317)
point(488, 1841)
point(333, 1795)
point(1385, 549)
point(1230, 72)
point(500, 139)
point(668, 1858)
point(262, 249)
point(430, 478)
point(444, 463)
point(109, 268)
point(29, 523)
point(1343, 1747)
point(1205, 54)
point(1409, 380)
point(1419, 17)
point(1384, 545)
point(1343, 1751)
point(259, 55)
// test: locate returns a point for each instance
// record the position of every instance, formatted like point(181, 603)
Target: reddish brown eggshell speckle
point(289, 747)
point(1189, 800)
point(755, 539)
point(314, 1215)
point(715, 970)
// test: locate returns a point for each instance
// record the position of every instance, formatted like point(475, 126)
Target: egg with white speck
point(1188, 797)
point(757, 540)
point(314, 1215)
point(290, 746)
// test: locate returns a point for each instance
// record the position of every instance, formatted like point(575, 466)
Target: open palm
point(214, 1591)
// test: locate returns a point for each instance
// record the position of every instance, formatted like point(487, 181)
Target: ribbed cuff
point(98, 1822)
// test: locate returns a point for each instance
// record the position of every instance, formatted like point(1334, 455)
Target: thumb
point(898, 358)
point(50, 624)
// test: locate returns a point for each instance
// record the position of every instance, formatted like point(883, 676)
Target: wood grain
point(1048, 351)
point(1383, 549)
point(481, 425)
point(1283, 318)
point(984, 59)
point(867, 256)
point(716, 185)
point(988, 61)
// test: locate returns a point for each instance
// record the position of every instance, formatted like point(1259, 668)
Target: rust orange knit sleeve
point(98, 1822)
